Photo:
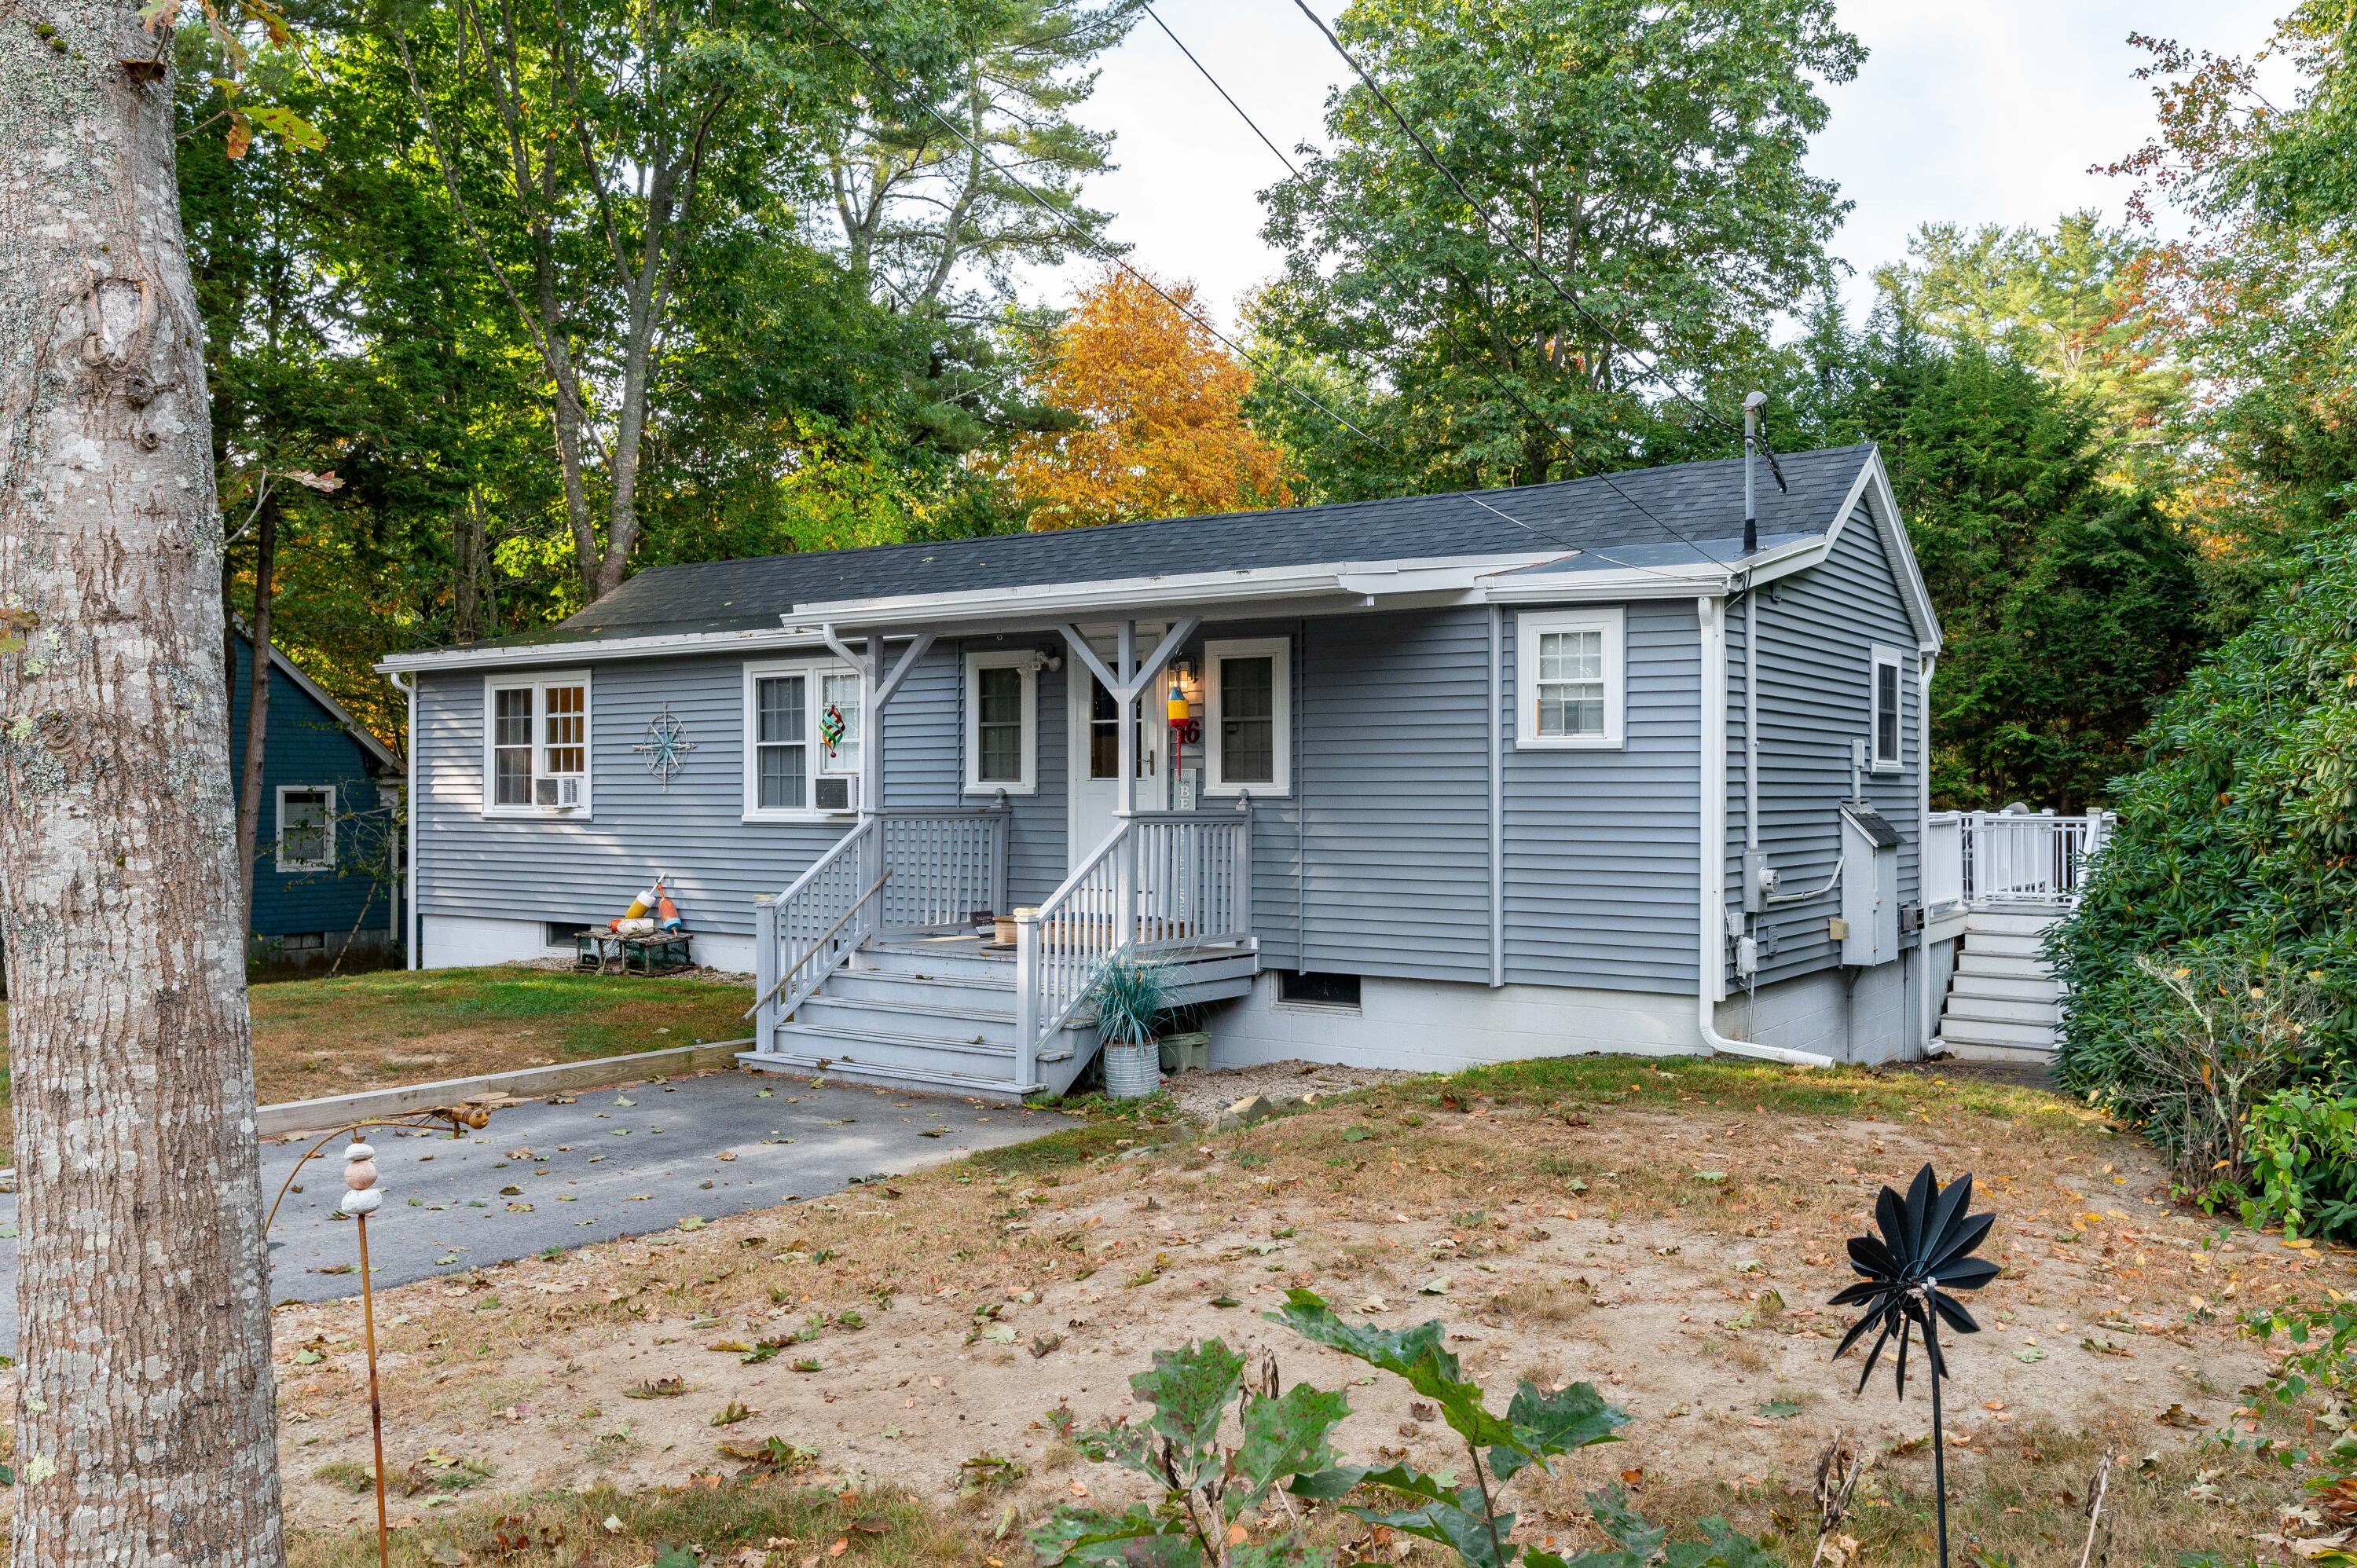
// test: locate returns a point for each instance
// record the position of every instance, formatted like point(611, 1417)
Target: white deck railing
point(1984, 859)
point(947, 866)
point(1162, 882)
point(899, 870)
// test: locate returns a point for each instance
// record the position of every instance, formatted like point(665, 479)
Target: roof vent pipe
point(1752, 403)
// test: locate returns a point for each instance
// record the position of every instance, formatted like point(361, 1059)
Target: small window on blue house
point(306, 827)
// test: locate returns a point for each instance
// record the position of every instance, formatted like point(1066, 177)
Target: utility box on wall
point(1869, 887)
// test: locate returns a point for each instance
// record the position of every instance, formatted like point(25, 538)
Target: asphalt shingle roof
point(1650, 516)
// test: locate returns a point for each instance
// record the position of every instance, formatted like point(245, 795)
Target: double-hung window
point(306, 827)
point(802, 726)
point(1890, 673)
point(536, 744)
point(1002, 721)
point(779, 733)
point(1248, 712)
point(1568, 677)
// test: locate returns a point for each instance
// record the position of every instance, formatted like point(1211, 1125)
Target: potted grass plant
point(1130, 996)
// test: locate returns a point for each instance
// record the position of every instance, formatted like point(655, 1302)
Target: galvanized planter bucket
point(1132, 1072)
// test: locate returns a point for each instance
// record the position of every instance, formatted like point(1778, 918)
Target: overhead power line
point(1502, 235)
point(1511, 395)
point(1223, 92)
point(1091, 243)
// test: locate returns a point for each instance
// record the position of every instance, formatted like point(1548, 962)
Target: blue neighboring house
point(327, 844)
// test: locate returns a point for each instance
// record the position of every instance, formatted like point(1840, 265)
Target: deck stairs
point(2003, 1003)
point(938, 1013)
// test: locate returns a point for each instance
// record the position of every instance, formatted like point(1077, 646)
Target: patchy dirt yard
point(1667, 1232)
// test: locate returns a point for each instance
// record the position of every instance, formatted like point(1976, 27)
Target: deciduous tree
point(146, 1429)
point(1650, 157)
point(1163, 431)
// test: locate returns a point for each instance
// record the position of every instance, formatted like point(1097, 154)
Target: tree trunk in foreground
point(146, 1428)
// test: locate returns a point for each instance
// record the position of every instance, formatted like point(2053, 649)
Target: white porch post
point(875, 690)
point(765, 968)
point(1124, 697)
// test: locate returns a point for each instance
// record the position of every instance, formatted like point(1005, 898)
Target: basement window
point(1313, 988)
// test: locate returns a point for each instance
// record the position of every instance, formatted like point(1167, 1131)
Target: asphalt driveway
point(610, 1163)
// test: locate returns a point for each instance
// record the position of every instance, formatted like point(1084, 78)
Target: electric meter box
point(1869, 887)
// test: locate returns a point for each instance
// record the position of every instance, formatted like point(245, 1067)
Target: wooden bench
point(608, 953)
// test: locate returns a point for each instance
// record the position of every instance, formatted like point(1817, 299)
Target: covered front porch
point(903, 953)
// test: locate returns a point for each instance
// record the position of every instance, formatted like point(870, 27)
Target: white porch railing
point(947, 866)
point(1162, 882)
point(1980, 859)
point(899, 870)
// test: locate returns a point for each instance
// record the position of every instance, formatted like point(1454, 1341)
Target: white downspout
point(1926, 1017)
point(408, 891)
point(1711, 966)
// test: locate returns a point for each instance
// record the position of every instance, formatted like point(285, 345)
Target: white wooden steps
point(939, 1012)
point(2003, 1003)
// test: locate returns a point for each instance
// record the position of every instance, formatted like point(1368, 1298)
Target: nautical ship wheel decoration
point(666, 746)
point(1905, 1277)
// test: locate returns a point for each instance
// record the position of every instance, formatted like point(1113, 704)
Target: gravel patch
point(1204, 1095)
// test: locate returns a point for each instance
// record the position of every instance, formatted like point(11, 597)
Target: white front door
point(1094, 761)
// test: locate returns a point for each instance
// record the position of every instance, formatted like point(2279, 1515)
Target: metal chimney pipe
point(1752, 403)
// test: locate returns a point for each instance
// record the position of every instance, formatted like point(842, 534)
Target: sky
point(1966, 110)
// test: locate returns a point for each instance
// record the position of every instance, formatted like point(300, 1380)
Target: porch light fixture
point(1179, 706)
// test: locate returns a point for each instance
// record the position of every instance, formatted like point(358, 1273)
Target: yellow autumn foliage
point(1166, 433)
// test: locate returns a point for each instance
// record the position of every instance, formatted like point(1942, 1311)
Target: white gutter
point(763, 640)
point(1338, 578)
point(1710, 977)
point(408, 893)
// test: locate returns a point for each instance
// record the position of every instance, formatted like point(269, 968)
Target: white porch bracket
point(1124, 686)
point(1125, 689)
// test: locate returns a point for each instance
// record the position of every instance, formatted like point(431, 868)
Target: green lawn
point(374, 1031)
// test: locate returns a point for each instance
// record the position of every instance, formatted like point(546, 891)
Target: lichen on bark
point(146, 1420)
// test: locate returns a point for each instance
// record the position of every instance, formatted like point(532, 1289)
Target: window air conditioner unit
point(835, 792)
point(564, 793)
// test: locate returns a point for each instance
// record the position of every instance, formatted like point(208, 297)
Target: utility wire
point(1090, 242)
point(1511, 395)
point(1223, 92)
point(1481, 211)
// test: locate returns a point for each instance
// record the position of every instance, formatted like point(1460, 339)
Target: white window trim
point(1875, 762)
point(1279, 651)
point(538, 684)
point(328, 827)
point(813, 670)
point(1028, 781)
point(1529, 627)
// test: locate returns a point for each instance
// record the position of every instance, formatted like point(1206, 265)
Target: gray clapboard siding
point(1392, 774)
point(1817, 631)
point(1601, 846)
point(691, 830)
